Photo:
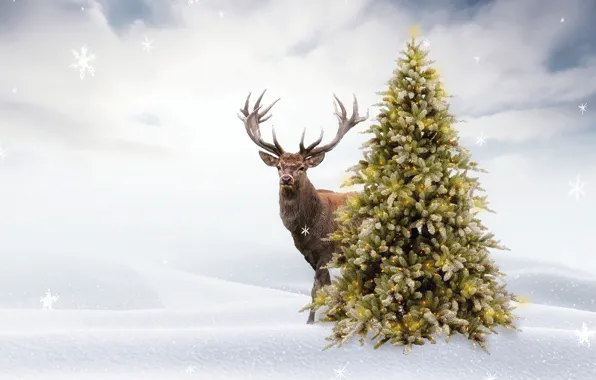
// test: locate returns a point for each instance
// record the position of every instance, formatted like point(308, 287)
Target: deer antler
point(345, 125)
point(252, 121)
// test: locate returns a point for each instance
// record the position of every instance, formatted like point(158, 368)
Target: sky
point(147, 160)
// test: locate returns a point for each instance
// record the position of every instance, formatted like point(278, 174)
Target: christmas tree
point(415, 262)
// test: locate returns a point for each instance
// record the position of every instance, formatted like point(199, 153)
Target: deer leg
point(322, 278)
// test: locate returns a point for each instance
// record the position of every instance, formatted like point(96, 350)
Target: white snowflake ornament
point(577, 188)
point(48, 301)
point(82, 63)
point(583, 335)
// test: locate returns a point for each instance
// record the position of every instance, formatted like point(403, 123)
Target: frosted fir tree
point(415, 261)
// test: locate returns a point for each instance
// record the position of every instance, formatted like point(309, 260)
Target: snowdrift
point(203, 327)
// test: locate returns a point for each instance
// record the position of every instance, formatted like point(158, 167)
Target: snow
point(151, 321)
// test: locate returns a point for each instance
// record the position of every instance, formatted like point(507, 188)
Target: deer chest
point(311, 245)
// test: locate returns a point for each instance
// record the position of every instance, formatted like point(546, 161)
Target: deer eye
point(278, 167)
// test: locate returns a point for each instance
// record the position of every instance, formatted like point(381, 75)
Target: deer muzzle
point(286, 180)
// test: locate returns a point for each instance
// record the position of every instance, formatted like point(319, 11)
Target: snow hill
point(142, 321)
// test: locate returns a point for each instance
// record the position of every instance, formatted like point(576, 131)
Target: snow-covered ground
point(160, 322)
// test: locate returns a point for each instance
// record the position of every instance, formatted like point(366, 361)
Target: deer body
point(309, 216)
point(307, 213)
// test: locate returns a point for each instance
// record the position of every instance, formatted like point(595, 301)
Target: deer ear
point(315, 160)
point(268, 159)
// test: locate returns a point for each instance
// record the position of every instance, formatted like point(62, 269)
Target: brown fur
point(306, 212)
point(304, 207)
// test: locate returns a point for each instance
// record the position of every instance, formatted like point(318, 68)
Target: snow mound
point(181, 290)
point(556, 290)
point(271, 341)
point(222, 329)
point(81, 283)
point(549, 283)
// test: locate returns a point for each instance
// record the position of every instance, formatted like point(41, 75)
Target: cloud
point(148, 154)
point(522, 125)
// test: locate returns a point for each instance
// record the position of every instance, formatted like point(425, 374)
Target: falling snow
point(577, 188)
point(147, 45)
point(48, 301)
point(340, 373)
point(582, 107)
point(82, 63)
point(583, 335)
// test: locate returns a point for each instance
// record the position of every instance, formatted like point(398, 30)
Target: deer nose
point(286, 179)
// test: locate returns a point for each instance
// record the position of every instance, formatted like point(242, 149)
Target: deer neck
point(299, 207)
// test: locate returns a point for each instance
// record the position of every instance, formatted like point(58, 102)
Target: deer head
point(292, 167)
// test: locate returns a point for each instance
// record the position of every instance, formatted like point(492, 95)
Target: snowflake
point(582, 107)
point(481, 140)
point(221, 14)
point(14, 90)
point(305, 231)
point(191, 2)
point(425, 44)
point(490, 376)
point(83, 62)
point(147, 45)
point(583, 335)
point(340, 373)
point(477, 59)
point(2, 154)
point(577, 188)
point(562, 19)
point(191, 369)
point(48, 300)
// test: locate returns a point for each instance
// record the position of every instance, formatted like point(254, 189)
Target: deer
point(306, 212)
